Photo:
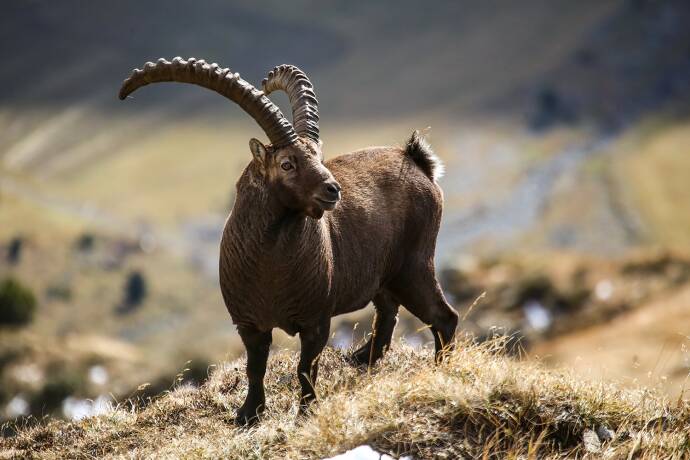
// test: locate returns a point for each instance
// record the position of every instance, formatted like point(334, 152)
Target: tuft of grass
point(477, 403)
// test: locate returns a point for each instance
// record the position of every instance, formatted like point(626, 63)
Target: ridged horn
point(223, 81)
point(300, 91)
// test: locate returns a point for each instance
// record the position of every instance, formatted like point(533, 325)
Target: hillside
point(476, 404)
point(518, 96)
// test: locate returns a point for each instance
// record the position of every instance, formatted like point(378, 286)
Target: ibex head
point(292, 164)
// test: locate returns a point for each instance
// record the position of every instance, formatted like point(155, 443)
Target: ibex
point(307, 240)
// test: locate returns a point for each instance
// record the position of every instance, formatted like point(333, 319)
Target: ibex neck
point(271, 260)
point(269, 226)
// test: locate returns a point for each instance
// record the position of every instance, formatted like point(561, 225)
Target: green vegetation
point(478, 403)
point(17, 303)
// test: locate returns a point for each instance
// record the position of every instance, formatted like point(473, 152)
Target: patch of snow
point(78, 409)
point(17, 407)
point(538, 317)
point(98, 375)
point(364, 453)
point(603, 290)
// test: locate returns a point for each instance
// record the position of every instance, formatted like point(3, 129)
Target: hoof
point(245, 421)
point(360, 357)
point(248, 417)
point(363, 357)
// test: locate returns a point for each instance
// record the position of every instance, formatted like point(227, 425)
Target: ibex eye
point(286, 166)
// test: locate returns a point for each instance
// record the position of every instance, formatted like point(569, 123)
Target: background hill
point(564, 127)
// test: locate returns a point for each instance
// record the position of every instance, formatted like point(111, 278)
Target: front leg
point(312, 342)
point(257, 344)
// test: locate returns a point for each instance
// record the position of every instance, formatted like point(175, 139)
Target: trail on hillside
point(521, 206)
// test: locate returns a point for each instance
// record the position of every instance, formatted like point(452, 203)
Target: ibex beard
point(309, 239)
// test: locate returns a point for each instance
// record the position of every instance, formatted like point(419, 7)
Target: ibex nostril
point(333, 190)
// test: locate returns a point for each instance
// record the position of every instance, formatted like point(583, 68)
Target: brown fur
point(309, 240)
point(287, 263)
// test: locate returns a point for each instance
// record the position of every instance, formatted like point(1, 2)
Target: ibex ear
point(258, 150)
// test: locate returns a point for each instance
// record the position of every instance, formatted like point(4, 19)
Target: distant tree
point(85, 242)
point(17, 303)
point(14, 251)
point(135, 292)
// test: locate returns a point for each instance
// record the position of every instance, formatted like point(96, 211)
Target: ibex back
point(308, 239)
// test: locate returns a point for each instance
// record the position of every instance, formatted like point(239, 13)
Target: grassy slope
point(476, 403)
point(647, 346)
point(640, 178)
point(654, 171)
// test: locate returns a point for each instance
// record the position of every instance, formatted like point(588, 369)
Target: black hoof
point(360, 357)
point(248, 417)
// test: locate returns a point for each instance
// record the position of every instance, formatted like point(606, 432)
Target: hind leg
point(418, 290)
point(384, 324)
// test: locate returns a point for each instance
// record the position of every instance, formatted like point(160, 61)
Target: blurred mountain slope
point(63, 63)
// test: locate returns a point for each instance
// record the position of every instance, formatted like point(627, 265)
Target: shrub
point(17, 303)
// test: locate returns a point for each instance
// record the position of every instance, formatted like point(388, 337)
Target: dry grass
point(477, 403)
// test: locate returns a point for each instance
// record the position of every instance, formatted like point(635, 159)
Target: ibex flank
point(309, 239)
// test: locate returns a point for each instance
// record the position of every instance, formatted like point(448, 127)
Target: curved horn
point(224, 82)
point(300, 91)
